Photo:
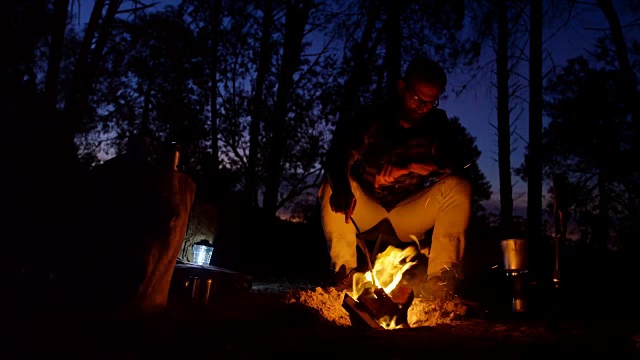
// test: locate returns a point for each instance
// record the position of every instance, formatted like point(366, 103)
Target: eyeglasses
point(419, 102)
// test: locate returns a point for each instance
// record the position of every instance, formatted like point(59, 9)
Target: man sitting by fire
point(401, 163)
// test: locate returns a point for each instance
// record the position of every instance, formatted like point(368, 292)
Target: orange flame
point(388, 269)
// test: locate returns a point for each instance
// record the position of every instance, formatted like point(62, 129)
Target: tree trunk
point(213, 87)
point(57, 138)
point(600, 237)
point(251, 188)
point(89, 58)
point(393, 36)
point(251, 179)
point(358, 66)
point(621, 49)
point(80, 72)
point(102, 36)
point(145, 119)
point(631, 101)
point(504, 126)
point(534, 160)
point(60, 13)
point(628, 76)
point(297, 15)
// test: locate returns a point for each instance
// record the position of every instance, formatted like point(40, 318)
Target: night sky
point(476, 107)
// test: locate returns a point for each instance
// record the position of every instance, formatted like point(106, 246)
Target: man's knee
point(456, 186)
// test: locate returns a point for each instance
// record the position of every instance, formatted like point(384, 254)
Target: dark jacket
point(368, 140)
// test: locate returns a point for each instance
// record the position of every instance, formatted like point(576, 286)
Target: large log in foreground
point(138, 214)
point(375, 306)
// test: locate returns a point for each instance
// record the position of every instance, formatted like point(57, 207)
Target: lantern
point(202, 251)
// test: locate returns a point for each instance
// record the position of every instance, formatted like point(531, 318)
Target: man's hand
point(343, 202)
point(388, 174)
point(423, 169)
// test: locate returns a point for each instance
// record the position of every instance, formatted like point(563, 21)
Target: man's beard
point(410, 117)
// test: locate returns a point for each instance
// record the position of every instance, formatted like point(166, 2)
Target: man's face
point(418, 98)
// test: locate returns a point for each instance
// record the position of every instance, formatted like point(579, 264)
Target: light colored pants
point(444, 206)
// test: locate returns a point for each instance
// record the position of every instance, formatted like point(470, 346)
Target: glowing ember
point(388, 324)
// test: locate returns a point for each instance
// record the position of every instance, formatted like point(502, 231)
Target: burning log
point(375, 308)
point(358, 313)
point(381, 300)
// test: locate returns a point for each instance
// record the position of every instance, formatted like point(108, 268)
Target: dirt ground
point(279, 319)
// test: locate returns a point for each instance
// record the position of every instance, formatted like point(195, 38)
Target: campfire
point(377, 300)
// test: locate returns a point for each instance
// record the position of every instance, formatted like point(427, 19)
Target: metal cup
point(200, 291)
point(519, 298)
point(514, 252)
